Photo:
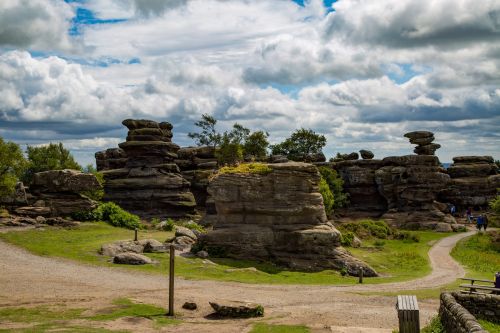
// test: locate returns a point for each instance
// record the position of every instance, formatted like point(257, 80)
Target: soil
point(29, 280)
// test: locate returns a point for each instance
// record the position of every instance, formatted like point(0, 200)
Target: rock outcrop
point(113, 158)
point(474, 181)
point(423, 140)
point(366, 154)
point(277, 216)
point(57, 193)
point(150, 183)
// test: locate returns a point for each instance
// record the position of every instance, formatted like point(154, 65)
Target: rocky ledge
point(277, 216)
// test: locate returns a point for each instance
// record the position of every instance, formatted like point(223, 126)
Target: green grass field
point(269, 328)
point(395, 260)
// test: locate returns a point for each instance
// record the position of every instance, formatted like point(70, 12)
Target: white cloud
point(35, 24)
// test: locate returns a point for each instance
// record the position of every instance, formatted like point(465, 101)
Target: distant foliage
point(327, 195)
point(347, 238)
point(12, 166)
point(208, 135)
point(51, 157)
point(111, 213)
point(336, 184)
point(405, 235)
point(256, 145)
point(301, 143)
point(495, 204)
point(230, 152)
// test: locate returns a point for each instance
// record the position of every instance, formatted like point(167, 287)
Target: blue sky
point(360, 72)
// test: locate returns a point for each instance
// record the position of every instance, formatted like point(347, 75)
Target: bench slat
point(480, 280)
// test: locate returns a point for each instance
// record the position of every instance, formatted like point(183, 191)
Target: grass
point(396, 260)
point(489, 326)
point(259, 168)
point(479, 255)
point(60, 319)
point(268, 328)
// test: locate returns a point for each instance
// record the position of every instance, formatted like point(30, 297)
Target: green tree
point(326, 193)
point(51, 157)
point(238, 134)
point(301, 143)
point(209, 135)
point(256, 144)
point(230, 151)
point(336, 185)
point(12, 166)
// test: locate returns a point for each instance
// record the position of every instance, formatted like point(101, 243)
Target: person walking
point(485, 222)
point(479, 222)
point(468, 214)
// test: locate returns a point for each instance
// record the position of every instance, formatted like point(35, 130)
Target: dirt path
point(27, 279)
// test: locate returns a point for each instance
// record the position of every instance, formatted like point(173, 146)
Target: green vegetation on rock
point(328, 200)
point(258, 168)
point(336, 185)
point(434, 326)
point(489, 326)
point(301, 143)
point(111, 213)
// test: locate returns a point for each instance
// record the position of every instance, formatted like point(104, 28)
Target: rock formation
point(366, 154)
point(423, 140)
point(150, 183)
point(57, 193)
point(277, 216)
point(474, 181)
point(113, 158)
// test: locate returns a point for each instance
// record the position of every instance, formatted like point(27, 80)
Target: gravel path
point(27, 279)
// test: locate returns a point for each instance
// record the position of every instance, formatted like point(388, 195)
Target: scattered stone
point(152, 246)
point(366, 154)
point(61, 222)
point(443, 227)
point(183, 242)
point(356, 242)
point(41, 219)
point(202, 254)
point(116, 248)
point(24, 220)
point(190, 306)
point(246, 269)
point(33, 211)
point(183, 231)
point(131, 258)
point(238, 309)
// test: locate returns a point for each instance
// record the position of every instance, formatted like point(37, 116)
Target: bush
point(194, 226)
point(12, 166)
point(379, 243)
point(367, 228)
point(336, 185)
point(111, 213)
point(327, 195)
point(259, 168)
point(98, 194)
point(169, 225)
point(404, 235)
point(347, 238)
point(495, 205)
point(435, 326)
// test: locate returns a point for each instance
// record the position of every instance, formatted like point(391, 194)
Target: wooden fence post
point(171, 282)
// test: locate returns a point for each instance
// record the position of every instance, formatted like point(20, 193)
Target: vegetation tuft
point(258, 168)
point(434, 326)
point(269, 328)
point(111, 213)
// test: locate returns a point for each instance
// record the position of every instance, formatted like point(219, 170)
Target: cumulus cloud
point(35, 24)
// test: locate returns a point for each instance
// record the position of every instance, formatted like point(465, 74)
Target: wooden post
point(171, 282)
point(135, 234)
point(360, 274)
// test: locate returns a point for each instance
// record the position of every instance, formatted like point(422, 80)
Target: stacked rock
point(474, 181)
point(150, 183)
point(277, 215)
point(366, 154)
point(113, 158)
point(423, 140)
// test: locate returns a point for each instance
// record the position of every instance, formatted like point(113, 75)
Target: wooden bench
point(408, 314)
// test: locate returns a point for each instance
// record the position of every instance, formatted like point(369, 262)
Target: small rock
point(24, 220)
point(366, 154)
point(190, 306)
point(183, 231)
point(202, 254)
point(33, 211)
point(131, 258)
point(246, 269)
point(356, 242)
point(183, 242)
point(152, 246)
point(116, 248)
point(238, 309)
point(443, 227)
point(60, 222)
point(40, 219)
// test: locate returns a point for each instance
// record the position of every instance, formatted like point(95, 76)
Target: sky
point(360, 72)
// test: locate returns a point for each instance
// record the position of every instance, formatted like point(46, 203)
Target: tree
point(51, 157)
point(208, 136)
point(230, 151)
point(256, 144)
point(12, 166)
point(336, 185)
point(301, 143)
point(239, 134)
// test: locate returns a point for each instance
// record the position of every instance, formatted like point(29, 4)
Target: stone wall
point(277, 216)
point(458, 311)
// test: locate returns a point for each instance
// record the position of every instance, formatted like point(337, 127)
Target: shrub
point(495, 204)
point(404, 235)
point(347, 238)
point(169, 226)
point(434, 326)
point(12, 166)
point(368, 228)
point(116, 216)
point(194, 226)
point(327, 195)
point(98, 194)
point(336, 185)
point(379, 243)
point(343, 271)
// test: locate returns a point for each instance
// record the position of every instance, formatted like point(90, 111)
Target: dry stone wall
point(278, 216)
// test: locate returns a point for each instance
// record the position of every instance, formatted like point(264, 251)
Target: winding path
point(29, 279)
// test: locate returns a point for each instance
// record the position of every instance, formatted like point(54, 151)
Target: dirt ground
point(28, 280)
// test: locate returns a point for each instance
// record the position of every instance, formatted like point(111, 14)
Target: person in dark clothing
point(479, 222)
point(485, 222)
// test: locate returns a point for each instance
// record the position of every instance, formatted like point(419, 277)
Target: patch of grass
point(479, 254)
point(269, 328)
point(489, 326)
point(259, 168)
point(126, 308)
point(37, 314)
point(435, 326)
point(61, 328)
point(396, 261)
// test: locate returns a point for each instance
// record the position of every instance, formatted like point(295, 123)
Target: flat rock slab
point(238, 309)
point(131, 258)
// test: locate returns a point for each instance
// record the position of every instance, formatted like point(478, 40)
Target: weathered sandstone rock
point(366, 154)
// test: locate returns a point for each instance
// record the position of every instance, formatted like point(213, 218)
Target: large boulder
point(131, 258)
point(277, 216)
point(55, 181)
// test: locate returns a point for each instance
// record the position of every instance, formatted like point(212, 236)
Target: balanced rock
point(423, 140)
point(183, 231)
point(277, 216)
point(366, 154)
point(150, 183)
